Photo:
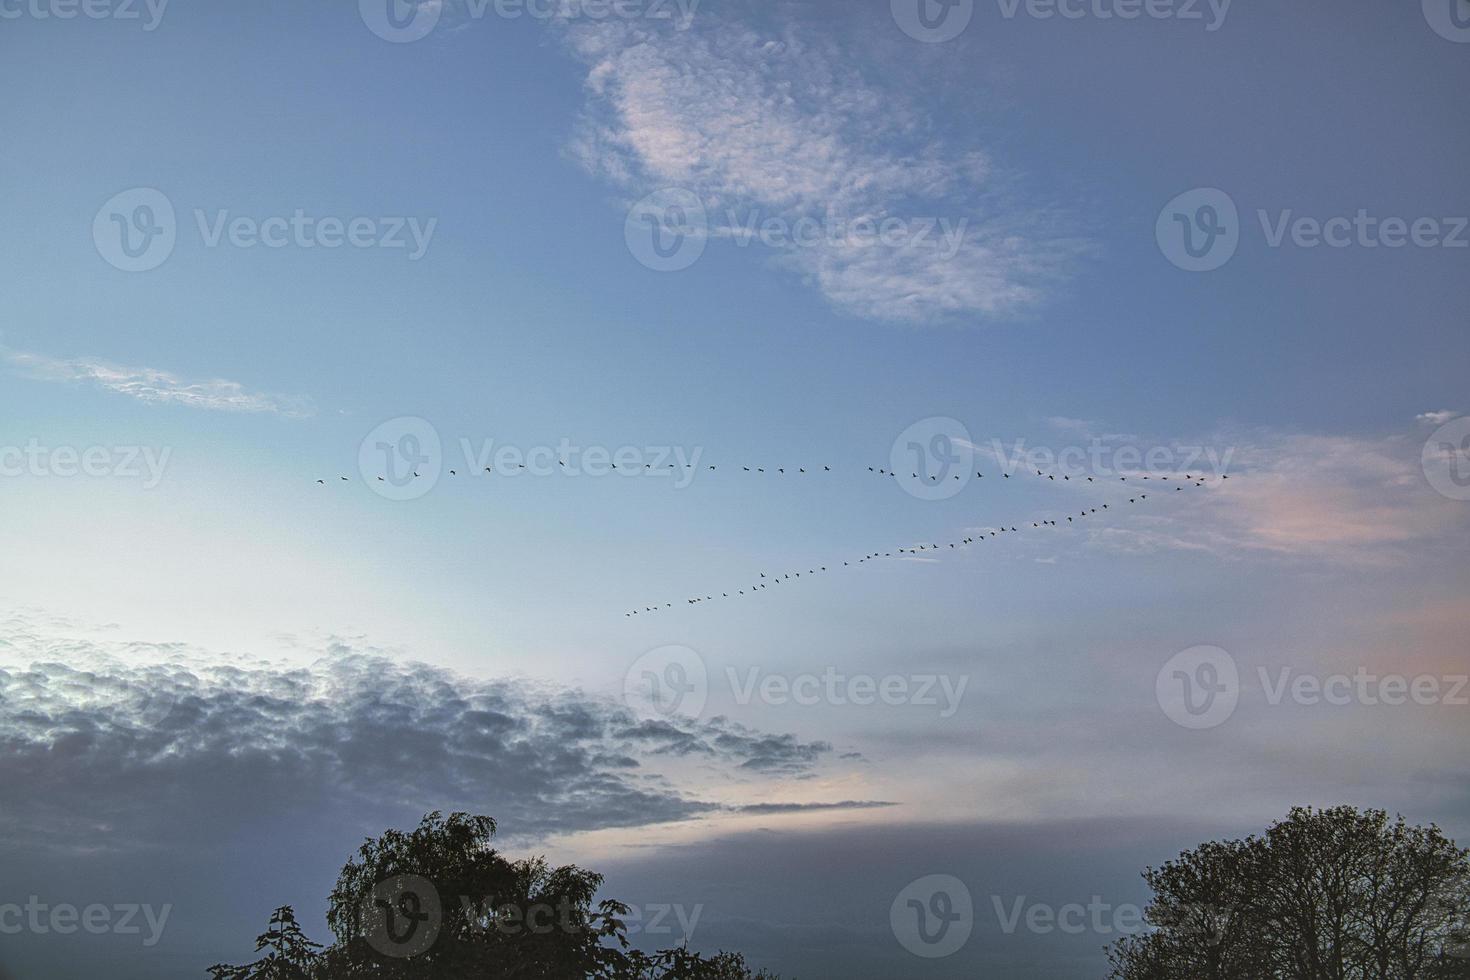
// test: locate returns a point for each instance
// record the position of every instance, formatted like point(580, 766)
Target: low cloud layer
point(96, 747)
point(151, 773)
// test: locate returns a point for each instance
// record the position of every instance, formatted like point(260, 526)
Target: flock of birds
point(1180, 483)
point(801, 470)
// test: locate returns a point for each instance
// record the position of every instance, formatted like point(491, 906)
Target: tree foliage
point(440, 902)
point(1334, 894)
point(291, 955)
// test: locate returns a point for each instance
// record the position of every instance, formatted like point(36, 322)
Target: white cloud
point(777, 125)
point(1437, 418)
point(156, 386)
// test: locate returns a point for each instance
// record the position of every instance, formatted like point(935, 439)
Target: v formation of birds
point(1179, 483)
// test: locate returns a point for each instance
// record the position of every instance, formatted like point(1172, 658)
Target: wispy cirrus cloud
point(775, 124)
point(157, 386)
point(1341, 498)
point(1344, 498)
point(1359, 499)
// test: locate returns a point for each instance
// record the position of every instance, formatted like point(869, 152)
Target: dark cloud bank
point(145, 774)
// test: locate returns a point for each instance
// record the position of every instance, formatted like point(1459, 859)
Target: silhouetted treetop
point(1335, 894)
point(440, 902)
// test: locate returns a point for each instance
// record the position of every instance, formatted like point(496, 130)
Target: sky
point(257, 247)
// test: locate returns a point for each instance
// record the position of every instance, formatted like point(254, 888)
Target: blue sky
point(521, 150)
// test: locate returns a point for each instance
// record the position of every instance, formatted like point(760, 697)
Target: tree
point(1335, 894)
point(440, 902)
point(292, 956)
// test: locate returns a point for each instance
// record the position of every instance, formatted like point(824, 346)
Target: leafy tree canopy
point(1335, 894)
point(440, 902)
